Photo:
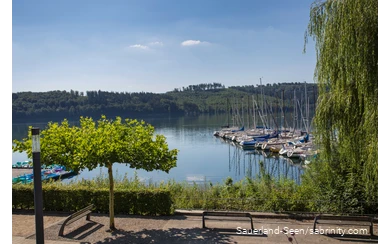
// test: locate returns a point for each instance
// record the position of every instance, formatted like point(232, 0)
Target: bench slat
point(230, 214)
point(338, 222)
point(77, 217)
point(225, 214)
point(79, 213)
point(345, 220)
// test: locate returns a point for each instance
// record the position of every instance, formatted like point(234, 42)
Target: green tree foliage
point(346, 120)
point(103, 143)
point(195, 99)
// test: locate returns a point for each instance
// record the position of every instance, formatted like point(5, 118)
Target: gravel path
point(94, 231)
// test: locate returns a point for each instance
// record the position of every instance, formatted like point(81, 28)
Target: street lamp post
point(38, 202)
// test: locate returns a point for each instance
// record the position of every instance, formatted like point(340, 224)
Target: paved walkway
point(188, 229)
point(23, 240)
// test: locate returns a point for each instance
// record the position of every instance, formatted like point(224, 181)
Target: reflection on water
point(246, 163)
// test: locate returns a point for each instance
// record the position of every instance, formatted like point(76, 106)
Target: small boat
point(309, 156)
point(22, 165)
point(275, 148)
point(25, 178)
point(295, 153)
point(53, 172)
point(286, 148)
point(300, 150)
point(252, 143)
point(227, 131)
point(274, 143)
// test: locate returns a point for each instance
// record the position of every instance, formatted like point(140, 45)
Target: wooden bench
point(76, 216)
point(225, 214)
point(345, 220)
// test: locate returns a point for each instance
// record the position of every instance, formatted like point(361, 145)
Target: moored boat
point(53, 172)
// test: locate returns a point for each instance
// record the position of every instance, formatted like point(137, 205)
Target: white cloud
point(192, 43)
point(156, 44)
point(146, 46)
point(139, 46)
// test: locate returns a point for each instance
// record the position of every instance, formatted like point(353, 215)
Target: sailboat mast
point(228, 110)
point(262, 97)
point(248, 112)
point(242, 108)
point(295, 112)
point(263, 112)
point(295, 115)
point(300, 107)
point(307, 109)
point(284, 117)
point(254, 114)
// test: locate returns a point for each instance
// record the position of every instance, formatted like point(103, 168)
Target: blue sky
point(156, 46)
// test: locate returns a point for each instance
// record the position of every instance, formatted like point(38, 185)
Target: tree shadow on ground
point(91, 232)
point(172, 235)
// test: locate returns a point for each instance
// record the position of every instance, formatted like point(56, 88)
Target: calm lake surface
point(201, 157)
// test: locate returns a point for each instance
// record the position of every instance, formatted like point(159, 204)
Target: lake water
point(201, 157)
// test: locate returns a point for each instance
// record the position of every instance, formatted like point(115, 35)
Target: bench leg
point(61, 233)
point(89, 216)
point(315, 222)
point(372, 229)
point(252, 223)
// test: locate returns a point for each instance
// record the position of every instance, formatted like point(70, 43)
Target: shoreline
point(20, 171)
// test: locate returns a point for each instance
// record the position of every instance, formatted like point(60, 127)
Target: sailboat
point(226, 129)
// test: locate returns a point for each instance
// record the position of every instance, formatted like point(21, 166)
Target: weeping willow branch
point(345, 33)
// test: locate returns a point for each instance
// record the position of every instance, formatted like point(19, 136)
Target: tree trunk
point(111, 200)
